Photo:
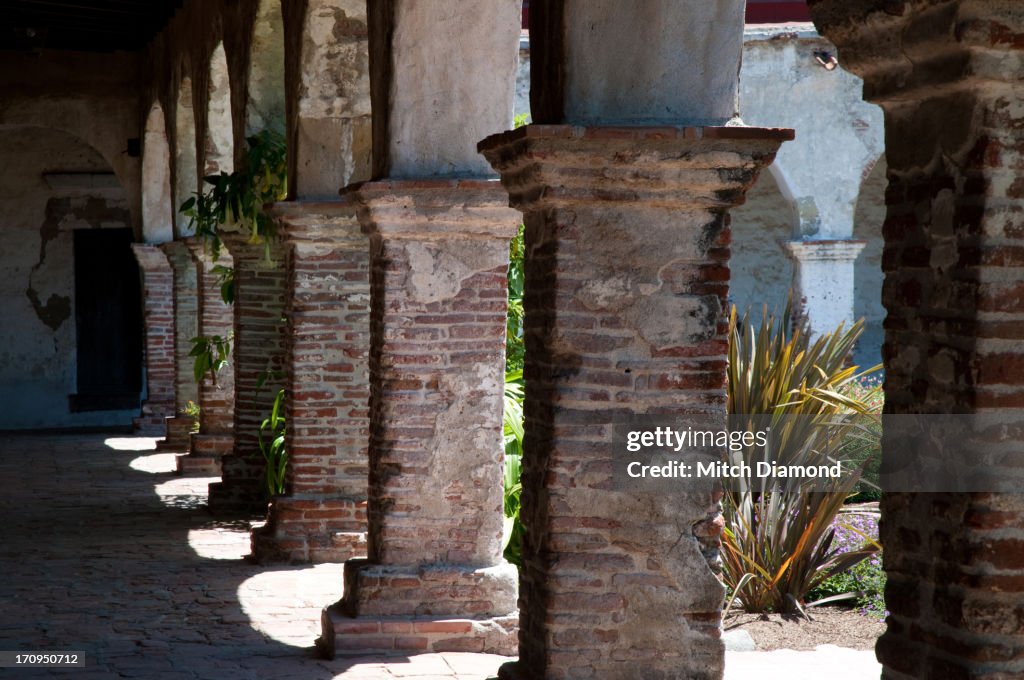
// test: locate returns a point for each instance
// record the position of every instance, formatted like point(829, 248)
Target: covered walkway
point(104, 550)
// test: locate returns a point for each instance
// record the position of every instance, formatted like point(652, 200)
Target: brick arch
point(157, 206)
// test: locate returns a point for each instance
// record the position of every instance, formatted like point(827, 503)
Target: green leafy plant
point(235, 200)
point(779, 544)
point(212, 353)
point(272, 445)
point(192, 411)
point(226, 280)
point(513, 488)
point(513, 402)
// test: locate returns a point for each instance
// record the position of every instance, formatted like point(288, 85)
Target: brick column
point(158, 315)
point(947, 75)
point(258, 356)
point(627, 275)
point(216, 398)
point(435, 579)
point(186, 327)
point(322, 518)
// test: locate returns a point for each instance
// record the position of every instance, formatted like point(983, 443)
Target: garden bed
point(841, 626)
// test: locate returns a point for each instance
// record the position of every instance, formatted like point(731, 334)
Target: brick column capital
point(333, 223)
point(546, 166)
point(435, 209)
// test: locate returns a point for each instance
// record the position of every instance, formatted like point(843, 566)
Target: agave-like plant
point(778, 543)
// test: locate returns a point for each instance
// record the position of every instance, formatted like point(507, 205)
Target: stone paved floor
point(104, 550)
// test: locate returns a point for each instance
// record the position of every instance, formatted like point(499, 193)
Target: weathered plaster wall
point(37, 337)
point(91, 96)
point(761, 271)
point(867, 226)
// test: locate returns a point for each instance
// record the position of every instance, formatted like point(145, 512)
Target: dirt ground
point(828, 625)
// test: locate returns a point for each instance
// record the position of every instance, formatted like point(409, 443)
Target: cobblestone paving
point(103, 550)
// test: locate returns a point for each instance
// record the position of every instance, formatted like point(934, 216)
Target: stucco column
point(328, 105)
point(435, 579)
point(186, 327)
point(947, 75)
point(322, 517)
point(158, 318)
point(258, 362)
point(627, 280)
point(216, 397)
point(823, 282)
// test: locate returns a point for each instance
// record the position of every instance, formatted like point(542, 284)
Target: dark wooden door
point(108, 320)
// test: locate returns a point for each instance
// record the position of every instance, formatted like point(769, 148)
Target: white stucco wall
point(838, 134)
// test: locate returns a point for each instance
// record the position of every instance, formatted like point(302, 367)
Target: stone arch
point(762, 272)
point(157, 206)
point(219, 142)
point(869, 216)
point(265, 102)
point(186, 176)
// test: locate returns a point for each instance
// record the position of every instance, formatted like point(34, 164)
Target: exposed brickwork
point(627, 246)
point(439, 262)
point(258, 355)
point(158, 317)
point(947, 75)
point(216, 398)
point(323, 516)
point(186, 327)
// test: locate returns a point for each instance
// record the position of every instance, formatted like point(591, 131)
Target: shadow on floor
point(103, 550)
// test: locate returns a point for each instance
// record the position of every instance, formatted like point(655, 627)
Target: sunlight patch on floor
point(132, 443)
point(273, 599)
point(156, 463)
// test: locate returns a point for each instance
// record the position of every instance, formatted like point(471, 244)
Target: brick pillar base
point(627, 245)
point(322, 518)
point(435, 579)
point(186, 327)
point(158, 315)
point(216, 398)
point(258, 354)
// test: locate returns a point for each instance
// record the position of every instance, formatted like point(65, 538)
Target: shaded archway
point(219, 143)
point(157, 207)
point(186, 179)
point(867, 226)
point(761, 270)
point(265, 104)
